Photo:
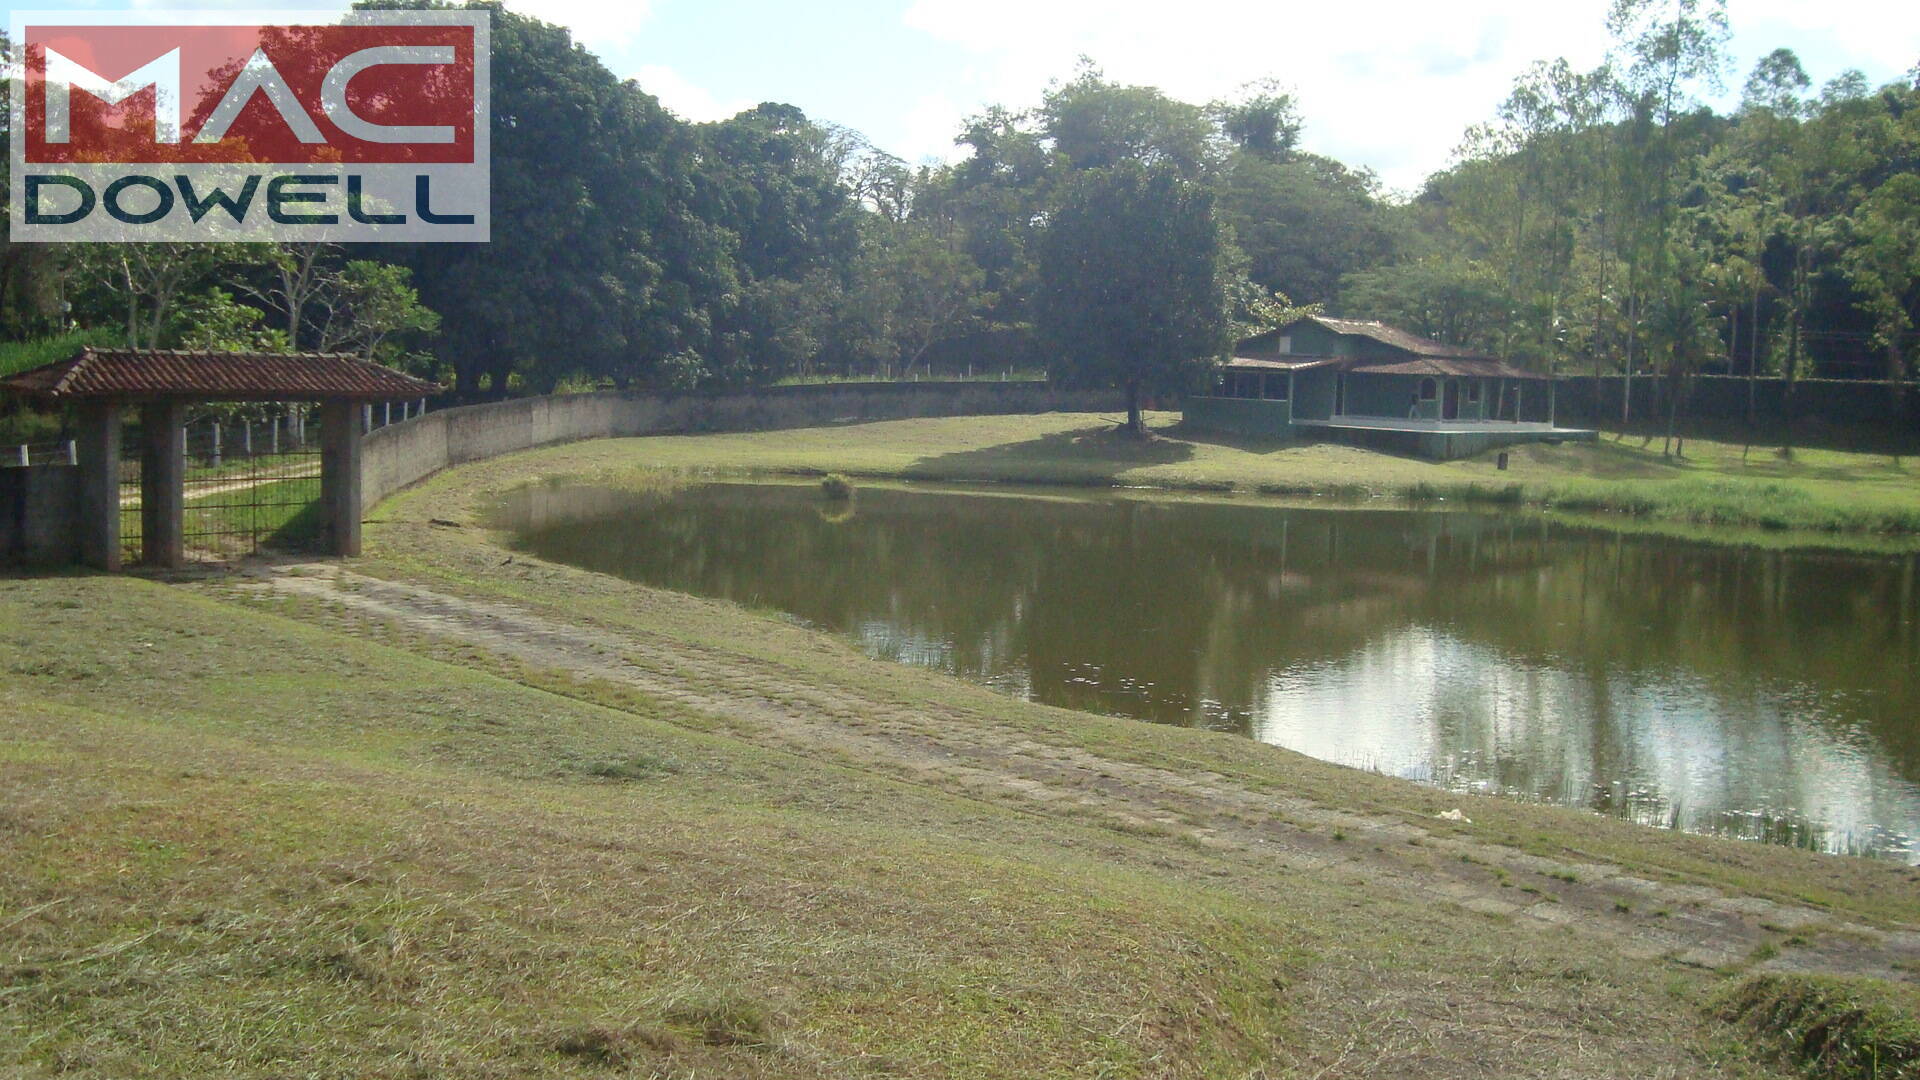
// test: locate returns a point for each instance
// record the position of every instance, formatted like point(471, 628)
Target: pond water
point(1754, 694)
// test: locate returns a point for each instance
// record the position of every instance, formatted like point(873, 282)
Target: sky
point(1390, 85)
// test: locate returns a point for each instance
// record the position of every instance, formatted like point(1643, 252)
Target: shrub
point(1839, 1028)
point(836, 487)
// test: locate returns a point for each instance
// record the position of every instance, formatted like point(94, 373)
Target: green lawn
point(1819, 496)
point(248, 833)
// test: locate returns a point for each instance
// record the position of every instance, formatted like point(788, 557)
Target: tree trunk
point(1633, 337)
point(1753, 373)
point(497, 375)
point(1553, 389)
point(1786, 391)
point(1685, 397)
point(1674, 377)
point(1897, 375)
point(1135, 426)
point(466, 380)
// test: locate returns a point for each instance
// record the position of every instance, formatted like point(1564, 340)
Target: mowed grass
point(243, 842)
point(237, 844)
point(1827, 494)
point(245, 835)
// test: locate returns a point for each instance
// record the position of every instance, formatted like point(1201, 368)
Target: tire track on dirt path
point(951, 748)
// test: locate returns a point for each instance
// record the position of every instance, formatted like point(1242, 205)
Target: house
point(1374, 385)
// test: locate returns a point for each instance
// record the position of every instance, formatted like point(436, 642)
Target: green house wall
point(1313, 395)
point(1312, 339)
point(1241, 416)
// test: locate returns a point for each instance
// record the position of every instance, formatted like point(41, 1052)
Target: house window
point(1285, 345)
point(1473, 390)
point(1277, 386)
point(1428, 390)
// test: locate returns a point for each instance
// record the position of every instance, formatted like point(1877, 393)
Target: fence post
point(73, 452)
point(246, 437)
point(387, 419)
point(216, 444)
point(423, 406)
point(274, 439)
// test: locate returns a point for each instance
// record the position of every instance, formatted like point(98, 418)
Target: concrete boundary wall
point(408, 452)
point(40, 514)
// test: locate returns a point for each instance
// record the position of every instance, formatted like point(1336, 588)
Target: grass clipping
point(1845, 1029)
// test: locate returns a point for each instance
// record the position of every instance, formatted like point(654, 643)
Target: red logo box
point(370, 128)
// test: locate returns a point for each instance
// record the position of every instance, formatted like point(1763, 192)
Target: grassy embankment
point(1860, 499)
point(248, 834)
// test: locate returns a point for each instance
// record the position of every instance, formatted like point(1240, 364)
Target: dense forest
point(1603, 221)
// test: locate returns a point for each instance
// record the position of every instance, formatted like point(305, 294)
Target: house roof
point(1261, 363)
point(1468, 367)
point(1425, 356)
point(148, 374)
point(1396, 337)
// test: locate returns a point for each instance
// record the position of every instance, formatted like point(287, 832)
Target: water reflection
point(1764, 695)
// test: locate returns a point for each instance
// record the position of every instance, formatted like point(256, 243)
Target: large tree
point(1133, 284)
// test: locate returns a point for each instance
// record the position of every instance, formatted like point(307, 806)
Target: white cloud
point(684, 98)
point(928, 128)
point(601, 25)
point(1390, 85)
point(1870, 33)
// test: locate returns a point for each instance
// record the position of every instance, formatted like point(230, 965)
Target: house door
point(1450, 405)
point(1339, 395)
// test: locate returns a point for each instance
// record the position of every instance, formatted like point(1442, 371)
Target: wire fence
point(250, 484)
point(24, 455)
point(252, 481)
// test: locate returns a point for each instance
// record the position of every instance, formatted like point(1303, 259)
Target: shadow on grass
point(1249, 444)
point(1092, 456)
point(1604, 460)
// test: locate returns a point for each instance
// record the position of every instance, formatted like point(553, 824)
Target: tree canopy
point(1601, 221)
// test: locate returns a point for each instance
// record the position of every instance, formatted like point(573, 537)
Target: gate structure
point(184, 483)
point(251, 480)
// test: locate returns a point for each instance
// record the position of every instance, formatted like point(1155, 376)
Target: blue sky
point(1387, 85)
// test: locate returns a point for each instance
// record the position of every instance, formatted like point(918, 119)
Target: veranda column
point(340, 475)
point(98, 450)
point(163, 480)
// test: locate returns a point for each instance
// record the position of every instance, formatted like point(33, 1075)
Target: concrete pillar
point(163, 478)
point(98, 449)
point(340, 474)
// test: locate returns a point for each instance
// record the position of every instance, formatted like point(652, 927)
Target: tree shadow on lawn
point(1600, 460)
point(1246, 444)
point(1093, 456)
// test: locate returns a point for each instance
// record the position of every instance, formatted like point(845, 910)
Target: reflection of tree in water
point(1490, 651)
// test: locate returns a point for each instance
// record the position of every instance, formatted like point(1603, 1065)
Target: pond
point(1765, 695)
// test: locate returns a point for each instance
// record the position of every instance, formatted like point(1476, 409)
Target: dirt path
point(200, 489)
point(1640, 918)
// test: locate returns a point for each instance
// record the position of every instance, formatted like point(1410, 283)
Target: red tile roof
point(147, 374)
point(1398, 338)
point(1266, 363)
point(1468, 367)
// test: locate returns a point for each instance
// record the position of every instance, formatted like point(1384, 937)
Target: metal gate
point(252, 482)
